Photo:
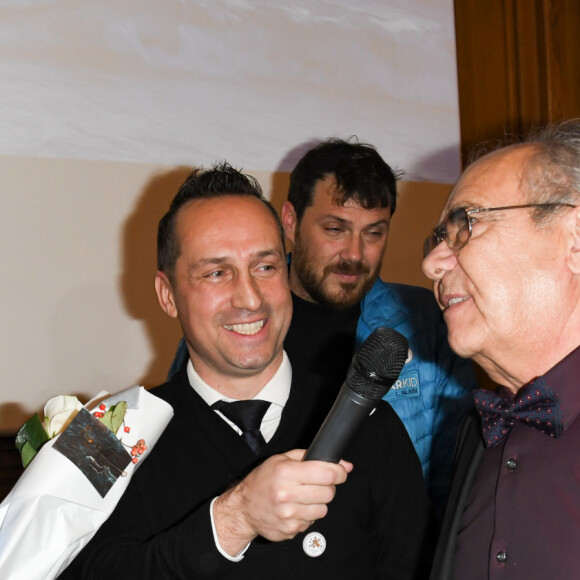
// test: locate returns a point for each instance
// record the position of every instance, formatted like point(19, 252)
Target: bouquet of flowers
point(78, 465)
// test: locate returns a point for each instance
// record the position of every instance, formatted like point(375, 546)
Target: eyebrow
point(218, 260)
point(348, 222)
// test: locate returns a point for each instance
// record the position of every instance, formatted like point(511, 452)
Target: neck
point(245, 384)
point(296, 286)
point(518, 371)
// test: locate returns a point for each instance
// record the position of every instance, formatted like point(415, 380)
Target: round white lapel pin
point(314, 544)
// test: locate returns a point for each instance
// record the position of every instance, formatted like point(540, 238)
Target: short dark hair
point(218, 181)
point(361, 175)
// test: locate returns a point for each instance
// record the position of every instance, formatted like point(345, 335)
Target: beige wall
point(78, 310)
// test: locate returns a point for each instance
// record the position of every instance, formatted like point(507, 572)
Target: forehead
point(323, 204)
point(493, 181)
point(230, 223)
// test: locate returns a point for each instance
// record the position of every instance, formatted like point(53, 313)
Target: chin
point(341, 301)
point(460, 344)
point(342, 297)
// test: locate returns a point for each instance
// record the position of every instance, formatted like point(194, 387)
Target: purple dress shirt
point(522, 519)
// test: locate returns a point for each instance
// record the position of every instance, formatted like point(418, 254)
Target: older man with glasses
point(505, 261)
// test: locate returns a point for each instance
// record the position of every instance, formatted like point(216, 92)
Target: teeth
point(251, 328)
point(456, 300)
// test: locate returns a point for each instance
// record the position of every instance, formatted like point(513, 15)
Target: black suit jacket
point(469, 452)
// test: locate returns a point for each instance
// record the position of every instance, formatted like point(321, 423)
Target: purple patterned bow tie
point(535, 405)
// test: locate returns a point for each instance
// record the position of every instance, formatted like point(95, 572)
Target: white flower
point(59, 412)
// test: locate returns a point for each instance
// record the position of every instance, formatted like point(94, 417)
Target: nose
point(247, 294)
point(439, 260)
point(352, 250)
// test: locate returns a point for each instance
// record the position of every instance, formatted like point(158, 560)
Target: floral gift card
point(95, 450)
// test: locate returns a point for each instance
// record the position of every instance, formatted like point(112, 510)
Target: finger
point(296, 454)
point(307, 495)
point(312, 513)
point(301, 517)
point(324, 473)
point(348, 466)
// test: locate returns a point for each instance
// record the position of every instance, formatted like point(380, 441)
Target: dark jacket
point(161, 527)
point(469, 453)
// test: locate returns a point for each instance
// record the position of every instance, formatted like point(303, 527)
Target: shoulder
point(399, 296)
point(468, 437)
point(175, 388)
point(188, 406)
point(412, 310)
point(164, 391)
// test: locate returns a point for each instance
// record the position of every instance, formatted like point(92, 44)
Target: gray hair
point(552, 172)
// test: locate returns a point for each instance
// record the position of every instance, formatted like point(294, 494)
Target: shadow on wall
point(281, 178)
point(437, 163)
point(139, 267)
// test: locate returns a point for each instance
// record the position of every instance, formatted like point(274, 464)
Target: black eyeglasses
point(456, 227)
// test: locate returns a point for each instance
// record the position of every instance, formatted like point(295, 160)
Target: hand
point(277, 500)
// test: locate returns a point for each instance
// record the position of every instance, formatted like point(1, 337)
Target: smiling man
point(229, 334)
point(505, 261)
point(220, 495)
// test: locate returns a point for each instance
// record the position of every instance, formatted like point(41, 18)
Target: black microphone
point(373, 371)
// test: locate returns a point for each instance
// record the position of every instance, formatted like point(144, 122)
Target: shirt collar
point(276, 391)
point(563, 380)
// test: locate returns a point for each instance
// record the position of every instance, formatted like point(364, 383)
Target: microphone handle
point(342, 422)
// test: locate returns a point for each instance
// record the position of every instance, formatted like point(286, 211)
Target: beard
point(321, 287)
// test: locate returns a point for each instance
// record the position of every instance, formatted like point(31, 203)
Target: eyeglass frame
point(440, 232)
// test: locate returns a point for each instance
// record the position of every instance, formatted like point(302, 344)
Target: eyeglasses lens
point(454, 230)
point(457, 228)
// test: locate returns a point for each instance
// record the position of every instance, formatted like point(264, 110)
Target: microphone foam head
point(378, 363)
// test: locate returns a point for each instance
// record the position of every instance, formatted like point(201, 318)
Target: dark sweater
point(161, 527)
point(321, 340)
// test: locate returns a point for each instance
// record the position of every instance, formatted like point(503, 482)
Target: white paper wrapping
point(53, 510)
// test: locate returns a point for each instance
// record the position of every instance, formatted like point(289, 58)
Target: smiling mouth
point(456, 301)
point(247, 329)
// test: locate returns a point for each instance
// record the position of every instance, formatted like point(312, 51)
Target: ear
point(574, 247)
point(165, 294)
point(289, 220)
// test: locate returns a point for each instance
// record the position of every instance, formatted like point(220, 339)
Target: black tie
point(247, 415)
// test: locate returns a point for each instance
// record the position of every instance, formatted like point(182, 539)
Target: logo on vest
point(406, 386)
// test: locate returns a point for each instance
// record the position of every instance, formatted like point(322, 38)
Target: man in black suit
point(505, 259)
point(218, 498)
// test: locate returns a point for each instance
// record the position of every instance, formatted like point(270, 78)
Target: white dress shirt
point(276, 392)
